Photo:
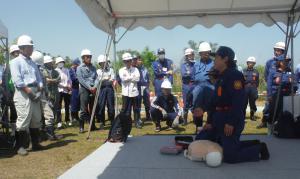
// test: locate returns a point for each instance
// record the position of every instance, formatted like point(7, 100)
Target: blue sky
point(61, 28)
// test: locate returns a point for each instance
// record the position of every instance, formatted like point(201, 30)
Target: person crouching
point(165, 107)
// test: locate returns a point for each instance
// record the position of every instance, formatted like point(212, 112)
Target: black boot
point(264, 152)
point(21, 140)
point(248, 143)
point(93, 128)
point(263, 123)
point(81, 126)
point(185, 116)
point(111, 117)
point(148, 116)
point(34, 134)
point(137, 120)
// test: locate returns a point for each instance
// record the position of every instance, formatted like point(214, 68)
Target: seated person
point(165, 107)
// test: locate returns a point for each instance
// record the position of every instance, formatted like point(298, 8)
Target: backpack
point(120, 128)
point(286, 127)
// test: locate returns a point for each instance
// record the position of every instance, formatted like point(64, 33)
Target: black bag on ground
point(285, 126)
point(120, 128)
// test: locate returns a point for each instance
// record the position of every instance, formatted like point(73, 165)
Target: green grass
point(65, 153)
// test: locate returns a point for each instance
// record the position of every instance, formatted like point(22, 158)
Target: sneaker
point(169, 128)
point(59, 125)
point(157, 129)
point(21, 151)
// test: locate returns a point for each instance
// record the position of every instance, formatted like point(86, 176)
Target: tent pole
point(292, 55)
point(115, 66)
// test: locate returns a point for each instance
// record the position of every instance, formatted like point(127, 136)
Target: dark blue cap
point(161, 51)
point(76, 61)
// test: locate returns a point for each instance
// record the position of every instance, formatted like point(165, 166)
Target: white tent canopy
point(3, 31)
point(108, 15)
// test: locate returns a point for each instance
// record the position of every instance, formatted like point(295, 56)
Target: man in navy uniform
point(165, 107)
point(187, 82)
point(251, 76)
point(279, 49)
point(163, 68)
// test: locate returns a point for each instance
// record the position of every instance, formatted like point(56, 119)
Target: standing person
point(130, 76)
point(165, 107)
point(64, 89)
point(47, 106)
point(9, 90)
point(187, 81)
point(281, 83)
point(228, 117)
point(199, 75)
point(279, 49)
point(75, 101)
point(163, 68)
point(107, 95)
point(28, 85)
point(87, 77)
point(251, 76)
point(143, 86)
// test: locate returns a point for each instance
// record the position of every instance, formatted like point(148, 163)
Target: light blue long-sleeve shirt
point(87, 76)
point(25, 72)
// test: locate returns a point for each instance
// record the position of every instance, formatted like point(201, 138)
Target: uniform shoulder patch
point(237, 84)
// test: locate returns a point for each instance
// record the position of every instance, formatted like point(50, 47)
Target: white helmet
point(251, 59)
point(166, 84)
point(59, 59)
point(279, 45)
point(37, 57)
point(13, 48)
point(213, 159)
point(204, 47)
point(102, 58)
point(24, 40)
point(47, 59)
point(188, 51)
point(126, 56)
point(86, 52)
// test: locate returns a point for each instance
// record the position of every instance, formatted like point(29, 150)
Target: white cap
point(126, 56)
point(213, 159)
point(86, 52)
point(37, 57)
point(188, 51)
point(13, 48)
point(101, 58)
point(47, 59)
point(166, 84)
point(24, 40)
point(251, 59)
point(59, 59)
point(204, 47)
point(279, 45)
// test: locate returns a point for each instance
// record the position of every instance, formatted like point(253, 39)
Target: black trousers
point(67, 99)
point(86, 104)
point(251, 95)
point(129, 103)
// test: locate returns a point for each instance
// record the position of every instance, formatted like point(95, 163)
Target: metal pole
point(115, 63)
point(97, 95)
point(292, 56)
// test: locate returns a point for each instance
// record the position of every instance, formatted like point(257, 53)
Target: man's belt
point(223, 108)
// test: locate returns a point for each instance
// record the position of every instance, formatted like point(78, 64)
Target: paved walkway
point(139, 158)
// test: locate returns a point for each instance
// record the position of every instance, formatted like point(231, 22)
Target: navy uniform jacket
point(251, 77)
point(73, 75)
point(229, 98)
point(144, 77)
point(270, 66)
point(160, 69)
point(169, 104)
point(187, 72)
